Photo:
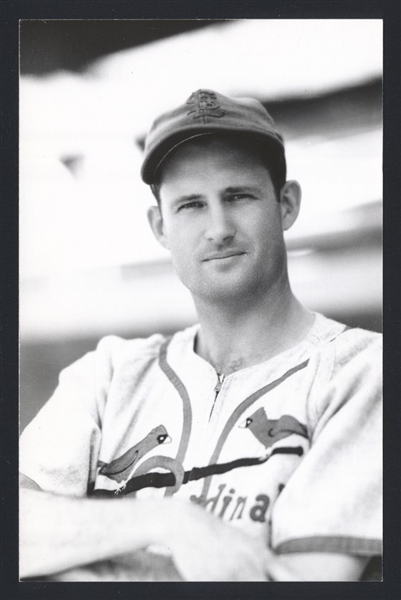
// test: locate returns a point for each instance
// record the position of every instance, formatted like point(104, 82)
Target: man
point(246, 447)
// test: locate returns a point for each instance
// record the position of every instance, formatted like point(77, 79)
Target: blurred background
point(89, 91)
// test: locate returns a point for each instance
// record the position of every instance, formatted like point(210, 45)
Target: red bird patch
point(268, 431)
point(121, 469)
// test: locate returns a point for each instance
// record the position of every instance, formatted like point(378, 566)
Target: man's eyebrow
point(240, 188)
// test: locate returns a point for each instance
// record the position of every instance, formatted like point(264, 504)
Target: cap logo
point(204, 104)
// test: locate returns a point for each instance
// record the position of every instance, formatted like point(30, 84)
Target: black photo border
point(13, 11)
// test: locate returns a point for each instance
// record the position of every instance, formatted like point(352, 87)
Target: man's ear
point(290, 203)
point(157, 226)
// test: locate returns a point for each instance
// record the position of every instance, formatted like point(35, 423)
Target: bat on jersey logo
point(121, 469)
point(130, 479)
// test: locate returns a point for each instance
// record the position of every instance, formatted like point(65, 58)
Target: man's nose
point(220, 225)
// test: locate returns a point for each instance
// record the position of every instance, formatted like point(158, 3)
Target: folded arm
point(60, 534)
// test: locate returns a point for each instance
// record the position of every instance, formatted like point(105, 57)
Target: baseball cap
point(204, 113)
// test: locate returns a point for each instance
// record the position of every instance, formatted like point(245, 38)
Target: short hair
point(268, 155)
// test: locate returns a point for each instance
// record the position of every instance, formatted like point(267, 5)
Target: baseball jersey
point(288, 449)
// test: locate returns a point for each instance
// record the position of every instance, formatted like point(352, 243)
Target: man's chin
point(227, 292)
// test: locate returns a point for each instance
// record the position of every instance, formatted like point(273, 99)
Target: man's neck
point(235, 337)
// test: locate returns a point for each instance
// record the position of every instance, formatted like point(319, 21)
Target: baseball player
point(246, 447)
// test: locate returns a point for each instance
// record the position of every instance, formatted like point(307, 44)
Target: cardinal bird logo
point(122, 468)
point(269, 431)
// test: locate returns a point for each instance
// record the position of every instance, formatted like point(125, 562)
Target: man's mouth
point(223, 255)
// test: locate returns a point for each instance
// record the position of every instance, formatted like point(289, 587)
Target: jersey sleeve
point(333, 501)
point(59, 448)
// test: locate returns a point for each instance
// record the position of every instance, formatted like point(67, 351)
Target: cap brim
point(156, 157)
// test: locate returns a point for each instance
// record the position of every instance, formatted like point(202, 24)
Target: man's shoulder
point(347, 345)
point(357, 351)
point(117, 346)
point(119, 350)
point(113, 352)
point(355, 341)
point(345, 337)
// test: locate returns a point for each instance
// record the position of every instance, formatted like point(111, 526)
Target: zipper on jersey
point(217, 388)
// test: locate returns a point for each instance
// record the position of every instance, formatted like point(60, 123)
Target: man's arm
point(323, 566)
point(59, 533)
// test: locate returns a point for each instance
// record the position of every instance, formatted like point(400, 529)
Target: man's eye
point(190, 205)
point(242, 196)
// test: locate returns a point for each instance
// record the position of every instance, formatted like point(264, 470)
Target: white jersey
point(289, 449)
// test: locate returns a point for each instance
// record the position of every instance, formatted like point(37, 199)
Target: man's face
point(221, 220)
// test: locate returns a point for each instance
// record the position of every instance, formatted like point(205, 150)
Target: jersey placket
point(217, 388)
